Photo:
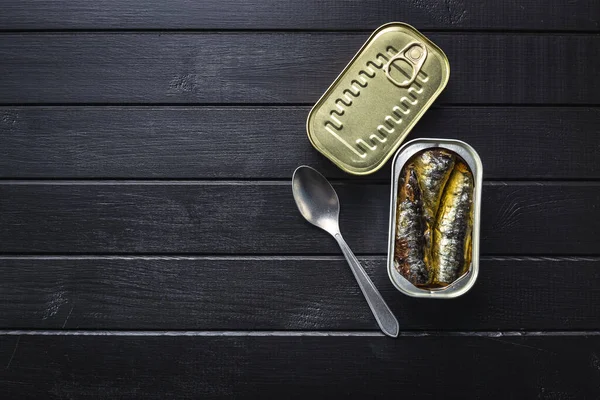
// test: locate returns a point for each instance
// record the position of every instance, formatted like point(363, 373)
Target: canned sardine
point(381, 94)
point(434, 218)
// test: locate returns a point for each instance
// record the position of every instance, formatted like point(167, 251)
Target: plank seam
point(268, 181)
point(492, 334)
point(267, 257)
point(473, 31)
point(261, 106)
point(274, 104)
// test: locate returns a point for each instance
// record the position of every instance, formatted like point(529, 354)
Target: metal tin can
point(471, 158)
point(381, 94)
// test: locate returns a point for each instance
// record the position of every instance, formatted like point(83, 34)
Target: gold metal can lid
point(366, 113)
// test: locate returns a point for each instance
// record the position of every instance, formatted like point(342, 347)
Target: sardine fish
point(434, 219)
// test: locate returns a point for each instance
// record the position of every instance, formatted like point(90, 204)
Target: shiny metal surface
point(366, 113)
point(318, 203)
point(471, 158)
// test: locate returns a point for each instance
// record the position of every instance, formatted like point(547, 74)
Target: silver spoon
point(319, 204)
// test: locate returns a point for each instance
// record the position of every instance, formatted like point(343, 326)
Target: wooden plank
point(292, 293)
point(261, 217)
point(280, 67)
point(223, 142)
point(311, 14)
point(300, 367)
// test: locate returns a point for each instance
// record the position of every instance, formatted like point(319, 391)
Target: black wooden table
point(150, 246)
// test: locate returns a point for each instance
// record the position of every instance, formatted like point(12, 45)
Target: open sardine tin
point(471, 158)
point(366, 113)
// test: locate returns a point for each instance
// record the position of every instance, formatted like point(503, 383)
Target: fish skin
point(451, 247)
point(409, 254)
point(433, 169)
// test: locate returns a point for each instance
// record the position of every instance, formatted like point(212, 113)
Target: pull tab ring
point(414, 54)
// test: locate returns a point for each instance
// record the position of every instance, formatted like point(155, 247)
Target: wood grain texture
point(289, 14)
point(280, 67)
point(295, 293)
point(300, 367)
point(261, 217)
point(201, 280)
point(249, 142)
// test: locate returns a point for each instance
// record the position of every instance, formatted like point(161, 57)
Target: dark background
point(150, 246)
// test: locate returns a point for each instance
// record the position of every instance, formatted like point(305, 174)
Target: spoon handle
point(386, 320)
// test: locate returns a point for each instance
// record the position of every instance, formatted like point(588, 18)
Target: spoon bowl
point(316, 199)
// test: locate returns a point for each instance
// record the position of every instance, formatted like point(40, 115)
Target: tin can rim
point(468, 153)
